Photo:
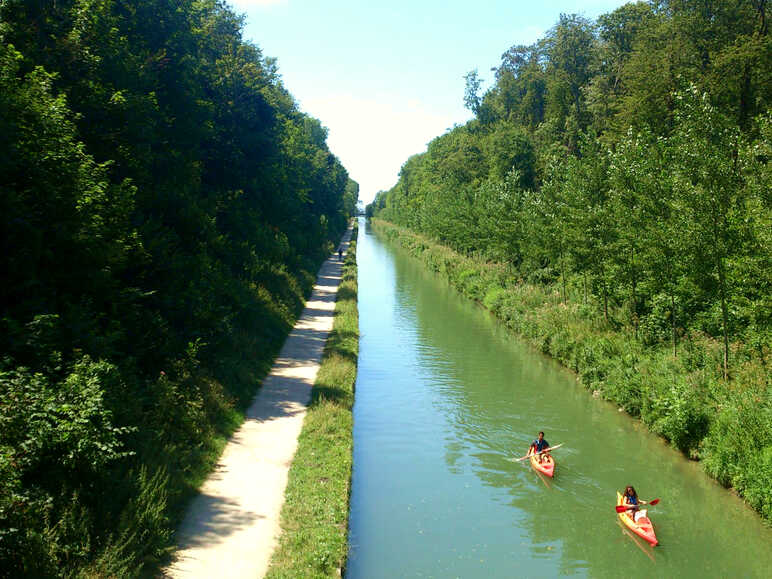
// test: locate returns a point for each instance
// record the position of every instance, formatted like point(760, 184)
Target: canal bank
point(683, 399)
point(446, 398)
point(232, 526)
point(314, 518)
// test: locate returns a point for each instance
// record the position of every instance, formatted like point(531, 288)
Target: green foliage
point(163, 207)
point(53, 435)
point(623, 169)
point(738, 446)
point(472, 91)
point(683, 398)
point(63, 427)
point(678, 410)
point(144, 529)
point(662, 226)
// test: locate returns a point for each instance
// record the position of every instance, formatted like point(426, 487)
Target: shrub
point(678, 412)
point(737, 450)
point(494, 298)
point(52, 431)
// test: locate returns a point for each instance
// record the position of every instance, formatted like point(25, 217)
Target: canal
point(446, 397)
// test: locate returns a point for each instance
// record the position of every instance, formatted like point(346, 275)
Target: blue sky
point(385, 78)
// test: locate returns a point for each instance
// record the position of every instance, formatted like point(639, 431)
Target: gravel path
point(231, 528)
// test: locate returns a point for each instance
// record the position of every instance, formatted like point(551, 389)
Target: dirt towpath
point(231, 528)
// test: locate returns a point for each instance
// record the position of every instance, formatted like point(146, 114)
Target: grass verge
point(314, 518)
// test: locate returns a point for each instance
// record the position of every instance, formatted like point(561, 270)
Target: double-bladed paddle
point(540, 452)
point(623, 508)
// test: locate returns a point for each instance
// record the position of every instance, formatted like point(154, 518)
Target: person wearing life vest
point(631, 500)
point(539, 446)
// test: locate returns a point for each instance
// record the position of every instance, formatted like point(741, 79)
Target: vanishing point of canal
point(445, 398)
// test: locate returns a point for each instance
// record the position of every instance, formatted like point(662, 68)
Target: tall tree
point(706, 153)
point(570, 46)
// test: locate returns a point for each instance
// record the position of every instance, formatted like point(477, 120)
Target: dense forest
point(624, 164)
point(164, 206)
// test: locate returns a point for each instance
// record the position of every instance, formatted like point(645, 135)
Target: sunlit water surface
point(445, 398)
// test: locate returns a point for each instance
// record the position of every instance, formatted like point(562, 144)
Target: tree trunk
point(635, 297)
point(724, 315)
point(761, 9)
point(563, 276)
point(673, 319)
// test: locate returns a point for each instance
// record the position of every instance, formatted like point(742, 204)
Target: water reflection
point(446, 398)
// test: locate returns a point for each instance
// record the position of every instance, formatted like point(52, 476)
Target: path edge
point(314, 517)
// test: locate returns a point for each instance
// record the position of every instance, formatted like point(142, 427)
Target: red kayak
point(641, 526)
point(546, 466)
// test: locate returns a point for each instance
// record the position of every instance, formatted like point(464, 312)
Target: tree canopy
point(164, 205)
point(624, 165)
point(624, 153)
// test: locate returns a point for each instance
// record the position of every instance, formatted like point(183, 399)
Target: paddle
point(540, 452)
point(623, 508)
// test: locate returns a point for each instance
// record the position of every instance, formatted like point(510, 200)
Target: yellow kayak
point(546, 466)
point(641, 527)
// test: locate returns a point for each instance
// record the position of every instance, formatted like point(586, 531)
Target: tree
point(472, 98)
point(643, 197)
point(163, 204)
point(509, 147)
point(706, 148)
point(619, 33)
point(571, 49)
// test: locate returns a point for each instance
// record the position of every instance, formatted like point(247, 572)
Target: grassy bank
point(314, 518)
point(681, 397)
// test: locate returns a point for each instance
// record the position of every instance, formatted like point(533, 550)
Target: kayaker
point(539, 445)
point(630, 497)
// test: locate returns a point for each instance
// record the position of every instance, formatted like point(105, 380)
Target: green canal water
point(445, 398)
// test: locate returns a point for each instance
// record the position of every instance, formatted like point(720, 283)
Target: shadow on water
point(644, 547)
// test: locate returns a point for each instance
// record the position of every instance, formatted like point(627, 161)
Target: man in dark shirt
point(539, 445)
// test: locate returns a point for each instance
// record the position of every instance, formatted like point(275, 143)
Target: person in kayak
point(539, 445)
point(631, 500)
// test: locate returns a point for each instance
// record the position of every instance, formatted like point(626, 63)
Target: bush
point(737, 450)
point(494, 298)
point(678, 412)
point(53, 431)
point(143, 532)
